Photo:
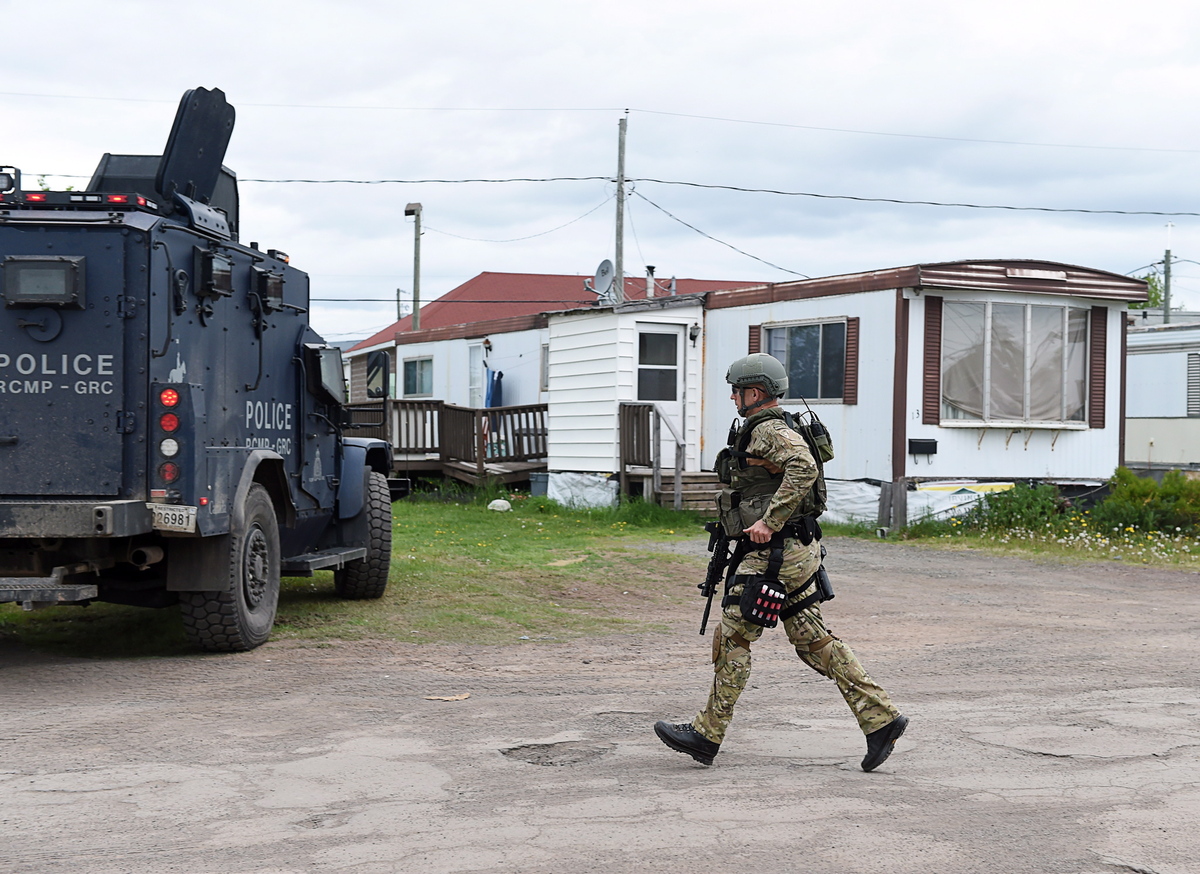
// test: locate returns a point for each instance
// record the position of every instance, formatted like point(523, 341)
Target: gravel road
point(1055, 728)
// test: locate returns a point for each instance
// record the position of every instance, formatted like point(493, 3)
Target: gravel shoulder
point(1055, 728)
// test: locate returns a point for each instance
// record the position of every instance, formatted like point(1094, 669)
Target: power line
point(710, 186)
point(915, 202)
point(738, 188)
point(429, 227)
point(427, 181)
point(715, 240)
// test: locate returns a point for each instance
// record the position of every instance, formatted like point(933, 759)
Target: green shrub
point(1022, 506)
point(1144, 505)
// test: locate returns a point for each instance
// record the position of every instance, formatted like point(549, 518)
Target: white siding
point(861, 432)
point(581, 415)
point(593, 367)
point(516, 354)
point(1163, 396)
point(1163, 441)
point(1157, 385)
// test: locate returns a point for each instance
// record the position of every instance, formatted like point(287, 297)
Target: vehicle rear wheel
point(240, 617)
point(368, 577)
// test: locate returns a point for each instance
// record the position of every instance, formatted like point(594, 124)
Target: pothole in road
point(564, 753)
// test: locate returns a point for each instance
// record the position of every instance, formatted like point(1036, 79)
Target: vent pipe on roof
point(649, 281)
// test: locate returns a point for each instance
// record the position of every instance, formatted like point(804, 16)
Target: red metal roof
point(492, 296)
point(1031, 277)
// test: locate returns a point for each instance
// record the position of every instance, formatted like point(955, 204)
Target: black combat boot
point(881, 741)
point(685, 739)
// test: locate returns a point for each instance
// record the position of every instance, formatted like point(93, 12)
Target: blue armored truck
point(172, 430)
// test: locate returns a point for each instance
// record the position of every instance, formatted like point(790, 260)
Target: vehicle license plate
point(173, 517)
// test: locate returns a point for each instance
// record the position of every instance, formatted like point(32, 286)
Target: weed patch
point(1140, 521)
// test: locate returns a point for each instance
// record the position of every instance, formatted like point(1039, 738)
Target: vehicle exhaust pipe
point(144, 556)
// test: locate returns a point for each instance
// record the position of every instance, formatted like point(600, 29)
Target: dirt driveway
point(1055, 728)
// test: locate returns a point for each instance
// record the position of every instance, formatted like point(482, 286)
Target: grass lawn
point(460, 572)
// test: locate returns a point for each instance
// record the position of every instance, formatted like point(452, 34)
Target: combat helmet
point(759, 369)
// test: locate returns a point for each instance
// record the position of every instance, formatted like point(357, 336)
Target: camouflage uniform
point(782, 449)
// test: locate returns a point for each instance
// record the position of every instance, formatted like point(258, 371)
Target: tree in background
point(1154, 287)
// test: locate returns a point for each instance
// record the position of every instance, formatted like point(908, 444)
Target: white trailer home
point(971, 370)
point(558, 348)
point(1163, 397)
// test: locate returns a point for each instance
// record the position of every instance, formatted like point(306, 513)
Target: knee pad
point(819, 653)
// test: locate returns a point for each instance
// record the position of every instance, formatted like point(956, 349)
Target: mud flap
point(198, 564)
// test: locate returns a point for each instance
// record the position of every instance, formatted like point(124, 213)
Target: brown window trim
point(1097, 363)
point(850, 368)
point(931, 386)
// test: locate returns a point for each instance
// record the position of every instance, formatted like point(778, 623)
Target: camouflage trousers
point(806, 631)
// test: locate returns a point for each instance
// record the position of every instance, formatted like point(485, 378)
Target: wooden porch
point(472, 445)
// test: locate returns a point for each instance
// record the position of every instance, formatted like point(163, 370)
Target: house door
point(660, 379)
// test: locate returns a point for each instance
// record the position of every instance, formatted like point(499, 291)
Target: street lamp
point(414, 209)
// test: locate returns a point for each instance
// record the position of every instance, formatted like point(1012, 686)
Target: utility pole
point(619, 270)
point(1167, 278)
point(399, 309)
point(1167, 288)
point(414, 209)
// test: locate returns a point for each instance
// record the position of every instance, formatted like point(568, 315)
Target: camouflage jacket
point(791, 472)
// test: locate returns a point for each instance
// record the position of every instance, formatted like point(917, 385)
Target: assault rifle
point(718, 545)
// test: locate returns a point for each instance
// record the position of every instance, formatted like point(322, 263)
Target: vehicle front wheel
point(240, 617)
point(368, 577)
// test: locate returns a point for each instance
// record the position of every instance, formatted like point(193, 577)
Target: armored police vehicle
point(171, 427)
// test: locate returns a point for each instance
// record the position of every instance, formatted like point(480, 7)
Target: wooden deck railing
point(494, 434)
point(640, 427)
point(477, 436)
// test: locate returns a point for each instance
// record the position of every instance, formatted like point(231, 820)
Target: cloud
point(382, 90)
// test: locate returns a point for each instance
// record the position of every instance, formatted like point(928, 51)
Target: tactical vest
point(751, 486)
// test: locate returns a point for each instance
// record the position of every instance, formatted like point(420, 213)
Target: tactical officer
point(777, 491)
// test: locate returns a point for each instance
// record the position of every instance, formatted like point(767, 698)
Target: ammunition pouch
point(738, 511)
point(724, 465)
point(760, 601)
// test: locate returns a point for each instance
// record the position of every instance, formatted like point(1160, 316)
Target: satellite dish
point(604, 278)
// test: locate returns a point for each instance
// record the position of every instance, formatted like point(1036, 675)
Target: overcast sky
point(1058, 105)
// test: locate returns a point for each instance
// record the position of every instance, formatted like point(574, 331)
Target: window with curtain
point(1003, 362)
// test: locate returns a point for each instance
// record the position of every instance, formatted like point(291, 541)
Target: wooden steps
point(697, 488)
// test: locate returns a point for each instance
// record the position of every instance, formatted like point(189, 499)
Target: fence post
point(656, 455)
point(480, 444)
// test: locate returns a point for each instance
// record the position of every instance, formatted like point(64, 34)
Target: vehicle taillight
point(35, 198)
point(117, 198)
point(169, 422)
point(168, 397)
point(169, 472)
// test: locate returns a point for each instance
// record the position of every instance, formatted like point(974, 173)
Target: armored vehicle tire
point(368, 577)
point(240, 618)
